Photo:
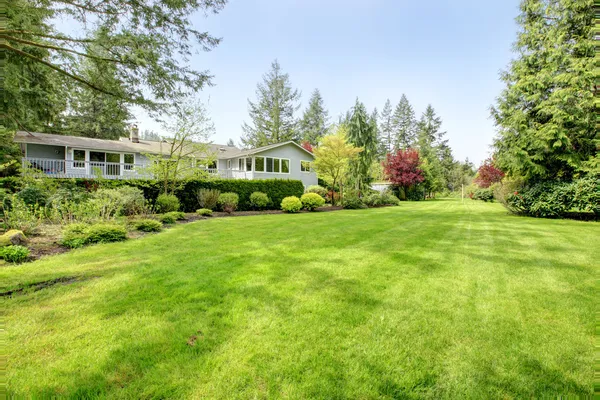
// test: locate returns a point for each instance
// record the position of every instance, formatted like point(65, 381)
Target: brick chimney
point(134, 135)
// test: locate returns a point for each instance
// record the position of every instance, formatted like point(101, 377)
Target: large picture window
point(128, 160)
point(259, 164)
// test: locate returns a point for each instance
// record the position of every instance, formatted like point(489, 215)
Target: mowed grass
point(435, 299)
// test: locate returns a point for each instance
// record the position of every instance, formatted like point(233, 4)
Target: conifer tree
point(545, 115)
point(361, 134)
point(404, 124)
point(315, 121)
point(386, 129)
point(272, 114)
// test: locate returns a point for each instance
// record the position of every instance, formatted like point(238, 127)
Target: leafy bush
point(373, 200)
point(148, 225)
point(208, 198)
point(291, 204)
point(259, 200)
point(78, 235)
point(108, 203)
point(171, 217)
point(486, 194)
point(33, 195)
point(353, 202)
point(229, 202)
point(320, 190)
point(16, 214)
point(276, 189)
point(166, 203)
point(586, 195)
point(312, 201)
point(332, 197)
point(205, 212)
point(14, 254)
point(133, 201)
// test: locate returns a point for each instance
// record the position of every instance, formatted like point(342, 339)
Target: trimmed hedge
point(276, 189)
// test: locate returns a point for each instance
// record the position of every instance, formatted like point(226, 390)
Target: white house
point(63, 156)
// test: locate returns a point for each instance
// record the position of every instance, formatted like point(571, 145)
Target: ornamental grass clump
point(229, 202)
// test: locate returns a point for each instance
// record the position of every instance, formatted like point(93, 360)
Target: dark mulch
point(65, 280)
point(251, 213)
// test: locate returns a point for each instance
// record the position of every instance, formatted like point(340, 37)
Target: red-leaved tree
point(402, 169)
point(307, 146)
point(488, 174)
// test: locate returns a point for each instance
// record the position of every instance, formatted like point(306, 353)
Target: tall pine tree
point(386, 130)
point(315, 121)
point(272, 114)
point(404, 123)
point(362, 133)
point(545, 115)
point(434, 150)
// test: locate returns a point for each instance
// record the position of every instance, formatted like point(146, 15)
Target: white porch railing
point(91, 169)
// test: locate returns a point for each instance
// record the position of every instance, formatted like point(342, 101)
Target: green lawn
point(426, 300)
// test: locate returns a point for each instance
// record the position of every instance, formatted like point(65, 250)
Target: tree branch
point(58, 69)
point(56, 37)
point(48, 46)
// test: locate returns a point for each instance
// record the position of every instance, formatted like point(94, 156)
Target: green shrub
point(259, 200)
point(586, 195)
point(485, 194)
point(166, 203)
point(291, 204)
point(389, 199)
point(353, 202)
point(14, 254)
point(544, 199)
point(320, 190)
point(16, 214)
point(33, 195)
point(205, 212)
point(78, 235)
point(373, 200)
point(167, 218)
point(229, 202)
point(108, 203)
point(312, 201)
point(148, 225)
point(133, 201)
point(208, 198)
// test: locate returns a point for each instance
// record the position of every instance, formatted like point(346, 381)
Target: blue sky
point(444, 52)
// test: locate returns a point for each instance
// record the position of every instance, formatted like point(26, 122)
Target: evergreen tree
point(386, 130)
point(273, 112)
point(545, 115)
point(315, 121)
point(404, 124)
point(434, 150)
point(96, 114)
point(361, 134)
point(230, 143)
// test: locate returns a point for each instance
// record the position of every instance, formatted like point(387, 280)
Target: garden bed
point(47, 241)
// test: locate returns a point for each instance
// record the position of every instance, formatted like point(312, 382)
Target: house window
point(78, 158)
point(212, 165)
point(248, 164)
point(285, 166)
point(305, 166)
point(241, 164)
point(276, 163)
point(128, 160)
point(259, 164)
point(228, 164)
point(269, 164)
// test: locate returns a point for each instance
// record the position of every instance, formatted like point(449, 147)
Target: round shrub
point(205, 212)
point(33, 195)
point(312, 201)
point(373, 200)
point(134, 202)
point(208, 198)
point(105, 233)
point(168, 218)
point(259, 200)
point(291, 204)
point(229, 202)
point(78, 235)
point(14, 254)
point(353, 203)
point(148, 225)
point(166, 203)
point(389, 199)
point(320, 190)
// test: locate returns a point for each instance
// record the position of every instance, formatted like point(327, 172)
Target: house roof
point(144, 146)
point(121, 145)
point(249, 152)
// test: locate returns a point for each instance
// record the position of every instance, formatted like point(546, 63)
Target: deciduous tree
point(333, 157)
point(488, 174)
point(403, 169)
